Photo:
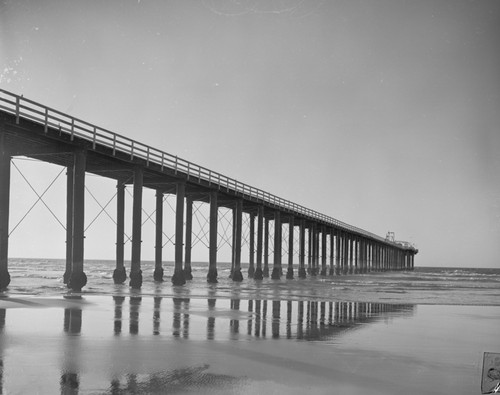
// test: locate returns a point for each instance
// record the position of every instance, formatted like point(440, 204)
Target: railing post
point(72, 135)
point(94, 138)
point(46, 124)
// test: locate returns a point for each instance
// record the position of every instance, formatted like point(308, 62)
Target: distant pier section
point(326, 246)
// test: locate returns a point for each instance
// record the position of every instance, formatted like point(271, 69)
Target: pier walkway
point(30, 129)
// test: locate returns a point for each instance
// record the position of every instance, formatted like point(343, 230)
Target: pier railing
point(74, 127)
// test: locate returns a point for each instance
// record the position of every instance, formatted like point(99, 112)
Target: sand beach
point(187, 343)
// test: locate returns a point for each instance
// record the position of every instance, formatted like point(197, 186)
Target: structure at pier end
point(326, 246)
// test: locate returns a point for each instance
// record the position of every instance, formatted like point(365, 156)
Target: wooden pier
point(33, 130)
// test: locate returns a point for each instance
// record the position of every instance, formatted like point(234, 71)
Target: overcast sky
point(384, 114)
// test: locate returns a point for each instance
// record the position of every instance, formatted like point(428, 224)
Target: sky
point(383, 114)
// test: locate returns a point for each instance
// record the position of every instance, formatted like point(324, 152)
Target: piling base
point(212, 276)
point(265, 272)
point(77, 281)
point(237, 276)
point(337, 271)
point(4, 279)
point(119, 275)
point(302, 272)
point(69, 383)
point(314, 271)
point(332, 271)
point(323, 272)
point(136, 279)
point(66, 276)
point(289, 274)
point(276, 275)
point(251, 272)
point(259, 274)
point(188, 275)
point(178, 278)
point(158, 274)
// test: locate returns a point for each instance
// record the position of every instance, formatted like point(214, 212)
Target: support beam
point(212, 258)
point(259, 275)
point(332, 261)
point(251, 265)
point(189, 235)
point(120, 274)
point(345, 250)
point(233, 238)
point(314, 249)
point(323, 251)
point(276, 275)
point(78, 279)
point(362, 255)
point(237, 276)
point(178, 277)
point(289, 273)
point(4, 213)
point(337, 252)
point(158, 272)
point(302, 250)
point(69, 224)
point(356, 255)
point(266, 248)
point(135, 265)
point(309, 249)
point(351, 254)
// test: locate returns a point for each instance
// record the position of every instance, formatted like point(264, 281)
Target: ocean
point(424, 285)
point(418, 332)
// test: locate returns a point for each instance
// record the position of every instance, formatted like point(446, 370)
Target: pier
point(326, 247)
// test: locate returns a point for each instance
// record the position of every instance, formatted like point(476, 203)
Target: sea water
point(424, 285)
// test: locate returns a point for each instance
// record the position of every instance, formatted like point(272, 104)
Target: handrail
point(74, 127)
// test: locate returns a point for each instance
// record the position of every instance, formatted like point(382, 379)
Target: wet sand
point(144, 344)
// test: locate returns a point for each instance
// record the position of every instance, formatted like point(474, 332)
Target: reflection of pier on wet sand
point(311, 320)
point(185, 318)
point(134, 344)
